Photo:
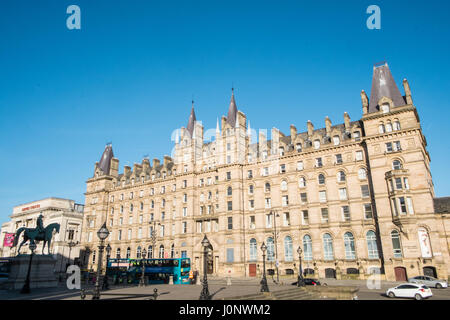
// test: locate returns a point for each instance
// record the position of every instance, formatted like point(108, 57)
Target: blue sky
point(128, 76)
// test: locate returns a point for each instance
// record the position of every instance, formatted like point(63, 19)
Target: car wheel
point(391, 295)
point(418, 297)
point(438, 286)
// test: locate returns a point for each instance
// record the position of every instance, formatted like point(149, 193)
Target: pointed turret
point(232, 111)
point(383, 85)
point(105, 161)
point(191, 122)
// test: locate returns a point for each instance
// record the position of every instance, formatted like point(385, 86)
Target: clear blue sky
point(129, 74)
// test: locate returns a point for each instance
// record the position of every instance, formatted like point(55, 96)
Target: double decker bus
point(157, 271)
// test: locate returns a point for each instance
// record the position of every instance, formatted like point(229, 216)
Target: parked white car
point(410, 290)
point(429, 281)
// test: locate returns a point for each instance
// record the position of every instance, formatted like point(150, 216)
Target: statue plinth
point(42, 274)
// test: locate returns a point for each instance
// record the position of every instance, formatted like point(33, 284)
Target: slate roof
point(232, 111)
point(105, 161)
point(383, 85)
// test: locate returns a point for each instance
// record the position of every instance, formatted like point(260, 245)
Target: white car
point(410, 290)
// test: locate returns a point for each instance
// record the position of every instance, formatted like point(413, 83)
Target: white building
point(54, 210)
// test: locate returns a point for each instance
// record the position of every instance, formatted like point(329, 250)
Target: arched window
point(118, 253)
point(250, 189)
point(396, 125)
point(388, 126)
point(372, 245)
point(307, 248)
point(316, 144)
point(267, 187)
point(362, 174)
point(270, 250)
point(336, 140)
point(302, 182)
point(138, 253)
point(288, 249)
point(229, 191)
point(298, 146)
point(150, 252)
point(396, 244)
point(397, 165)
point(321, 179)
point(253, 250)
point(283, 185)
point(128, 253)
point(341, 176)
point(328, 247)
point(349, 244)
point(381, 128)
point(161, 251)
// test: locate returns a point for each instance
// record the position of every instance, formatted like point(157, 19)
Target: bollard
point(228, 281)
point(155, 294)
point(171, 279)
point(82, 294)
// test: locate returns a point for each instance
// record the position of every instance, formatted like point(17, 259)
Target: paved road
point(217, 288)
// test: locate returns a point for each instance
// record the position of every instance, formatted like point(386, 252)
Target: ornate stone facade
point(356, 197)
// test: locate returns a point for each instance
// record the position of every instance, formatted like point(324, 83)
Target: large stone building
point(357, 197)
point(65, 245)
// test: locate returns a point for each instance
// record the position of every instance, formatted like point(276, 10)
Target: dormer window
point(298, 146)
point(385, 107)
point(336, 140)
point(281, 151)
point(316, 144)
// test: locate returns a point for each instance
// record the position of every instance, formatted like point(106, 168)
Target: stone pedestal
point(42, 273)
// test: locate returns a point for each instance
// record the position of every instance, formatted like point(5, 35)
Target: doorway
point(400, 274)
point(330, 273)
point(252, 269)
point(430, 272)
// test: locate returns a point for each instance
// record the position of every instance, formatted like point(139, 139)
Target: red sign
point(9, 240)
point(32, 207)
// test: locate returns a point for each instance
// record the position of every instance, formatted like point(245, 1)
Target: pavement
point(218, 288)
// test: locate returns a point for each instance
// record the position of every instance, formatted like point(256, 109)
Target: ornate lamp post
point(102, 234)
point(26, 286)
point(264, 286)
point(153, 237)
point(275, 234)
point(71, 244)
point(142, 281)
point(205, 292)
point(300, 280)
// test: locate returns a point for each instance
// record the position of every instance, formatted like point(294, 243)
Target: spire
point(191, 122)
point(383, 85)
point(232, 110)
point(105, 161)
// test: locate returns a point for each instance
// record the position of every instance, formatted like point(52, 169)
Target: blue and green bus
point(157, 271)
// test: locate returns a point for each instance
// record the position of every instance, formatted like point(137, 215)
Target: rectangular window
point(173, 229)
point(339, 159)
point(119, 235)
point(268, 203)
point(140, 233)
point(322, 196)
point(389, 147)
point(283, 168)
point(230, 205)
point(284, 201)
point(402, 205)
point(265, 171)
point(199, 227)
point(250, 174)
point(398, 183)
point(252, 222)
point(228, 175)
point(208, 226)
point(251, 204)
point(184, 212)
point(365, 191)
point(230, 255)
point(394, 207)
point(405, 180)
point(129, 234)
point(161, 230)
point(305, 217)
point(343, 193)
point(303, 197)
point(359, 155)
point(300, 165)
point(410, 205)
point(318, 162)
point(345, 213)
point(324, 213)
point(184, 227)
point(268, 221)
point(230, 223)
point(367, 211)
point(286, 220)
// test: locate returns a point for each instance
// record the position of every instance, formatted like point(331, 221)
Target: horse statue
point(36, 234)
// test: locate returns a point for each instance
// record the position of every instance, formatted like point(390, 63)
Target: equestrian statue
point(36, 234)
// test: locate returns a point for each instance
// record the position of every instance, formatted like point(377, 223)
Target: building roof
point(442, 205)
point(191, 122)
point(232, 111)
point(383, 85)
point(105, 161)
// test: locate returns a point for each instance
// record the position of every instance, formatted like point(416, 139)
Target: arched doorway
point(400, 274)
point(330, 273)
point(430, 271)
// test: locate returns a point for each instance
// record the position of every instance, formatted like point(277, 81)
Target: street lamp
point(205, 292)
point(142, 281)
point(102, 234)
point(275, 216)
point(108, 255)
point(71, 244)
point(264, 286)
point(300, 280)
point(153, 237)
point(26, 286)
